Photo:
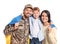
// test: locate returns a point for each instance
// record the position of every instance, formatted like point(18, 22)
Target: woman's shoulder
point(52, 25)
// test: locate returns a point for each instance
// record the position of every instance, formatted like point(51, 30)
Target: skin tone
point(27, 13)
point(16, 25)
point(45, 21)
point(36, 14)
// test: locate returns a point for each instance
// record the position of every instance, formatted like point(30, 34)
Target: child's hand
point(16, 25)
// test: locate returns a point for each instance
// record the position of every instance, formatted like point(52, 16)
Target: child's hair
point(36, 8)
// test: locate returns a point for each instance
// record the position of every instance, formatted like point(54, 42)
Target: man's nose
point(28, 11)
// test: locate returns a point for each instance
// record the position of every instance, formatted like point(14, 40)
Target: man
point(19, 30)
point(18, 18)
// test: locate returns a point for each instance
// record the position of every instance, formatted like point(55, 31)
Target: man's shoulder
point(16, 19)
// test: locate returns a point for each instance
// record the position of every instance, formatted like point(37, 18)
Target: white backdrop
point(12, 8)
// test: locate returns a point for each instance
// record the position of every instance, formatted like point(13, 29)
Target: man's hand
point(16, 25)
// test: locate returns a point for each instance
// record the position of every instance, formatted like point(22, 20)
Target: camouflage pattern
point(20, 35)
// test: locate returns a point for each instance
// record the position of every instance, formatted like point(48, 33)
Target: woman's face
point(44, 17)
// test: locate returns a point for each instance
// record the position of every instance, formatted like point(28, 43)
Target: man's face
point(28, 12)
point(36, 14)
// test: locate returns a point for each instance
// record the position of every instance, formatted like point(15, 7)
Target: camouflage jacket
point(20, 35)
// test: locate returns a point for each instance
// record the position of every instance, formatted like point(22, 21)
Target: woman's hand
point(48, 27)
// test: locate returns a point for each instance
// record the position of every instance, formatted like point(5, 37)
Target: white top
point(35, 28)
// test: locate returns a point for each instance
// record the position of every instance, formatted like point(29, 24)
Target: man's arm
point(8, 29)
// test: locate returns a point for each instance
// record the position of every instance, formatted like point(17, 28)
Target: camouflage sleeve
point(8, 29)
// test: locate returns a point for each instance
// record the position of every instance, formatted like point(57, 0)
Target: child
point(36, 34)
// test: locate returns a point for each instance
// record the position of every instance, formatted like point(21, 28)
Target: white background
point(12, 8)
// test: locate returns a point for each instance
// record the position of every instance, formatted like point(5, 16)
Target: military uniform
point(20, 35)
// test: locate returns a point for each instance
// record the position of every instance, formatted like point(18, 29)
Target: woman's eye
point(42, 15)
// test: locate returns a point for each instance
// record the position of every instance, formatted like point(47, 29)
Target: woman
point(49, 28)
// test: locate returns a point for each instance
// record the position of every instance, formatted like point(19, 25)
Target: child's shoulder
point(31, 17)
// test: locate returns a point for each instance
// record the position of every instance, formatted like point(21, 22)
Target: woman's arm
point(52, 36)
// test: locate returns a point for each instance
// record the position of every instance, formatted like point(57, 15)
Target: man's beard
point(27, 15)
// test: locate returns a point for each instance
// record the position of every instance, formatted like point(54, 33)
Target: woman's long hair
point(48, 15)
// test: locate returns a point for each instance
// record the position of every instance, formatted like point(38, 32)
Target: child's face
point(36, 14)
